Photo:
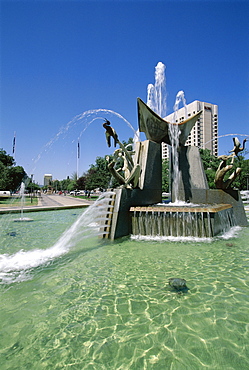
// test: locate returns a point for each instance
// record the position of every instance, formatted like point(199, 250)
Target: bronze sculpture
point(110, 132)
point(237, 149)
point(130, 170)
point(224, 167)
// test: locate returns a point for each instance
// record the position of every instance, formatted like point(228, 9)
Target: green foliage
point(210, 164)
point(6, 159)
point(64, 184)
point(10, 176)
point(98, 176)
point(56, 184)
point(31, 187)
point(72, 185)
point(125, 143)
point(81, 183)
point(165, 175)
point(241, 181)
point(74, 176)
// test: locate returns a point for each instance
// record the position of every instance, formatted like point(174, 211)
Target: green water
point(107, 305)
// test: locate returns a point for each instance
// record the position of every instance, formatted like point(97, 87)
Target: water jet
point(22, 197)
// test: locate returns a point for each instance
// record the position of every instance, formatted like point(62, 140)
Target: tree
point(98, 176)
point(210, 164)
point(165, 175)
point(15, 176)
point(72, 185)
point(81, 182)
point(6, 159)
point(65, 183)
point(56, 184)
point(10, 176)
point(74, 176)
point(241, 181)
point(2, 176)
point(31, 187)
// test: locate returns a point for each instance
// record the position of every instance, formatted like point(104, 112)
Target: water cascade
point(181, 221)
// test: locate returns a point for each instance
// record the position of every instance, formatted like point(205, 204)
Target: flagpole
point(14, 145)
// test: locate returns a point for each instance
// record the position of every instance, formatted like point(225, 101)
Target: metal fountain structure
point(196, 211)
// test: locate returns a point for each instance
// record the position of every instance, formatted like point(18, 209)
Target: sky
point(68, 65)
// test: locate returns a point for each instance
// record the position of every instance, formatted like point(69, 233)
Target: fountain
point(196, 210)
point(22, 197)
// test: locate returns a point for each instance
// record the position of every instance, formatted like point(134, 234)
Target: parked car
point(5, 194)
point(77, 192)
point(73, 192)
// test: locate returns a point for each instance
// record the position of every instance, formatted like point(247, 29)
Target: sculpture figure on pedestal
point(110, 132)
point(131, 171)
point(237, 148)
point(224, 167)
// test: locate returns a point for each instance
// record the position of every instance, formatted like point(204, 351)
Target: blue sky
point(62, 58)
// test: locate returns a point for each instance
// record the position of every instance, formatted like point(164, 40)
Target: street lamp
point(31, 199)
point(247, 181)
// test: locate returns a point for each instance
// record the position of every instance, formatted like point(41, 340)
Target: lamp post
point(31, 199)
point(247, 181)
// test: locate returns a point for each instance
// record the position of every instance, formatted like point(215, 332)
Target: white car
point(5, 194)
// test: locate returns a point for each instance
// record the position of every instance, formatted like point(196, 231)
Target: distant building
point(204, 134)
point(47, 179)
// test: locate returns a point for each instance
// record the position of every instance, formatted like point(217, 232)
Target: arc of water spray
point(87, 119)
point(209, 141)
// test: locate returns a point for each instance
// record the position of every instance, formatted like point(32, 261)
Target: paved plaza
point(51, 202)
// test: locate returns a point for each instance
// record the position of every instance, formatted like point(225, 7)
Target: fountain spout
point(22, 196)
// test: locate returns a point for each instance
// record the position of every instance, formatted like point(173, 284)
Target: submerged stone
point(230, 245)
point(12, 233)
point(178, 284)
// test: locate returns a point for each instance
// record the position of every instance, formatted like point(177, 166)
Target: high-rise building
point(204, 134)
point(47, 179)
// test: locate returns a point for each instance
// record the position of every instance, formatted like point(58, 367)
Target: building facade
point(204, 134)
point(47, 179)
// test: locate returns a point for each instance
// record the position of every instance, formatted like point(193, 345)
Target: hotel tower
point(205, 132)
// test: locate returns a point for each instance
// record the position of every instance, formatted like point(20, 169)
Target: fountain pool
point(107, 305)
